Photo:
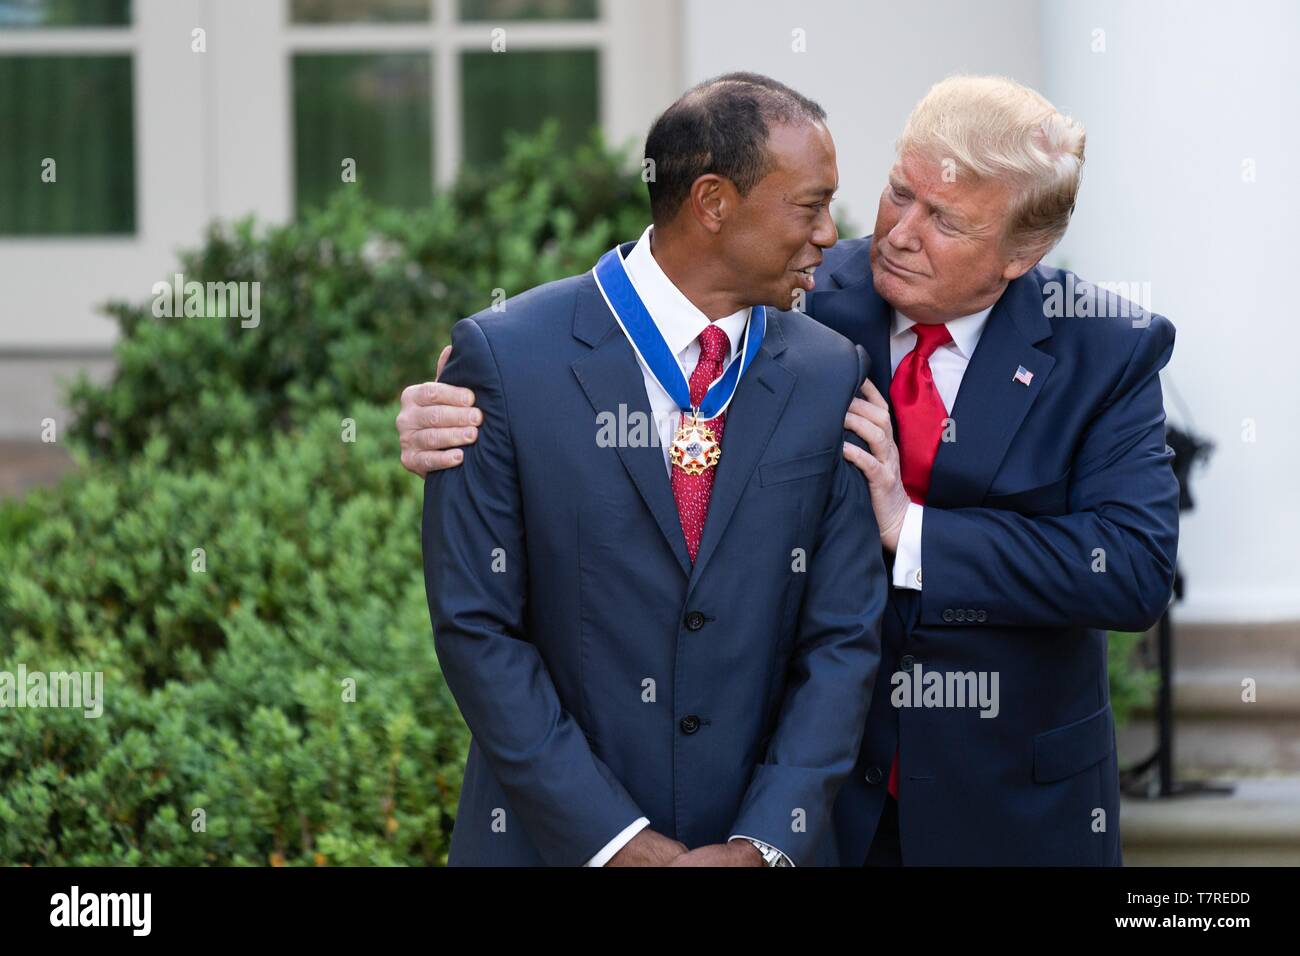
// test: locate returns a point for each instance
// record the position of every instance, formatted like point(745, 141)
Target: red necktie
point(919, 411)
point(692, 492)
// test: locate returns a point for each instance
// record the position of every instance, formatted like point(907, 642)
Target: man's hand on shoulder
point(868, 418)
point(434, 421)
point(649, 848)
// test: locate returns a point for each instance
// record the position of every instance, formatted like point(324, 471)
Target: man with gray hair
point(1016, 453)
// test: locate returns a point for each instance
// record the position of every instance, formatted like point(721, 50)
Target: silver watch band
point(771, 855)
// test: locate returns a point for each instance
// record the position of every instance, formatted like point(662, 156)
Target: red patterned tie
point(692, 492)
point(919, 411)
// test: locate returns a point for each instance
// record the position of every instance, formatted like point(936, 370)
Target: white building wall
point(867, 62)
point(1184, 94)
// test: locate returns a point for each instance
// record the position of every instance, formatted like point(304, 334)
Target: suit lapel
point(751, 420)
point(611, 376)
point(990, 404)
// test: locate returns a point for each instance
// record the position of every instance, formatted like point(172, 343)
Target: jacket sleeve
point(475, 562)
point(831, 674)
point(1109, 562)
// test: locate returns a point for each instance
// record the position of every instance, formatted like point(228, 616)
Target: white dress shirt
point(947, 365)
point(680, 323)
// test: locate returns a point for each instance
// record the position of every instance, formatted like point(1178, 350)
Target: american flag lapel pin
point(1023, 375)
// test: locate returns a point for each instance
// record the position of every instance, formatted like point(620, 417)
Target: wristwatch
point(771, 855)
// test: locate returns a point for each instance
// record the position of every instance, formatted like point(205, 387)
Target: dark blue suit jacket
point(1043, 483)
point(602, 676)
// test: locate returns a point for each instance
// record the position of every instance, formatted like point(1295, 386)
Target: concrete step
point(1215, 729)
point(25, 465)
point(1263, 647)
point(1257, 825)
point(1214, 745)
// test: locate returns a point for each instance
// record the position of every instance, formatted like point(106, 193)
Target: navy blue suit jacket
point(1044, 487)
point(604, 677)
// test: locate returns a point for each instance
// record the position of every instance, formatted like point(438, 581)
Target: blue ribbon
point(635, 321)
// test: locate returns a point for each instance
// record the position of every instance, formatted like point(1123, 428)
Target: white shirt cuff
point(613, 846)
point(907, 556)
point(741, 836)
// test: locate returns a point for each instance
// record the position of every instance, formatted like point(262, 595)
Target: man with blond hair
point(1016, 452)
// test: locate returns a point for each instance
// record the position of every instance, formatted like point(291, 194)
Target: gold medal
point(695, 449)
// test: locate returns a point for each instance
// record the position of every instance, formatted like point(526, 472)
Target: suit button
point(970, 615)
point(690, 724)
point(874, 775)
point(982, 616)
point(947, 614)
point(960, 615)
point(694, 621)
point(906, 663)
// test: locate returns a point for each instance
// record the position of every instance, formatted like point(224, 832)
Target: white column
point(641, 69)
point(248, 101)
point(1190, 185)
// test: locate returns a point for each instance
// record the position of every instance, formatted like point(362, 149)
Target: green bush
point(1132, 686)
point(355, 302)
point(224, 687)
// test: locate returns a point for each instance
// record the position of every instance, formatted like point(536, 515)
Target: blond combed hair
point(993, 127)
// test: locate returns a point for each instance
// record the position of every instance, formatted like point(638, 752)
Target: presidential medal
point(695, 448)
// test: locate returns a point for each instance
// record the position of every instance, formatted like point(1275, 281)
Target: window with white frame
point(169, 134)
point(408, 90)
point(67, 116)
